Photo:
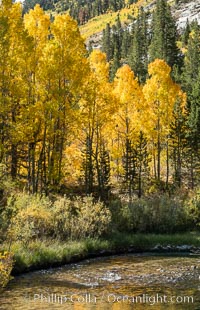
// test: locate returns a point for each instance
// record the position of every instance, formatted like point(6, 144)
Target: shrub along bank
point(42, 233)
point(51, 253)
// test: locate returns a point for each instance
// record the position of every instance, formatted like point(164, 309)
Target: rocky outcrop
point(186, 11)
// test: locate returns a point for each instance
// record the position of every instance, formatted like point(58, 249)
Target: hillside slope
point(93, 15)
point(183, 11)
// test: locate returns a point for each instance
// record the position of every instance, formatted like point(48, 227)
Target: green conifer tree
point(177, 143)
point(191, 84)
point(138, 53)
point(193, 137)
point(164, 35)
point(192, 58)
point(126, 42)
point(186, 33)
point(129, 162)
point(104, 185)
point(107, 44)
point(142, 162)
point(115, 63)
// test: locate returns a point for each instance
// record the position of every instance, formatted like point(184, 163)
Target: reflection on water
point(118, 282)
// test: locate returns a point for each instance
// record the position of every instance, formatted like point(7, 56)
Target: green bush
point(80, 218)
point(7, 188)
point(34, 216)
point(159, 214)
point(192, 207)
point(31, 217)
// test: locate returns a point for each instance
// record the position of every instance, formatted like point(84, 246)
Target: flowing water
point(118, 282)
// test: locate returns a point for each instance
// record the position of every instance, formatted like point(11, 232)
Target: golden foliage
point(6, 265)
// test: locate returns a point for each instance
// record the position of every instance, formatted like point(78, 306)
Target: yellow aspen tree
point(37, 24)
point(127, 121)
point(14, 44)
point(4, 74)
point(96, 111)
point(19, 53)
point(161, 93)
point(63, 68)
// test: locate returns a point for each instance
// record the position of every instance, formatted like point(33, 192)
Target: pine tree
point(98, 7)
point(126, 42)
point(164, 35)
point(138, 53)
point(177, 142)
point(117, 36)
point(46, 5)
point(107, 42)
point(193, 136)
point(105, 5)
point(191, 83)
point(90, 47)
point(142, 162)
point(186, 33)
point(129, 161)
point(88, 165)
point(115, 63)
point(192, 58)
point(104, 185)
point(136, 165)
point(119, 30)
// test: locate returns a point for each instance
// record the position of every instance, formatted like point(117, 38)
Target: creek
point(132, 281)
